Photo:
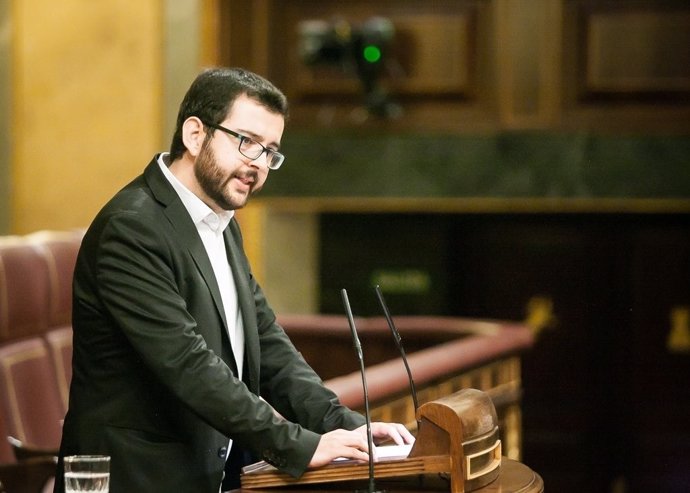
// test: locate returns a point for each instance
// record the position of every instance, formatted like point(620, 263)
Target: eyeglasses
point(251, 149)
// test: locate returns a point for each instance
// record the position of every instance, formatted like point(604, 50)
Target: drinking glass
point(87, 473)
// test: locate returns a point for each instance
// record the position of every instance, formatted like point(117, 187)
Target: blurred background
point(509, 159)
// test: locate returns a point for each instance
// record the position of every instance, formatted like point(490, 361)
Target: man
point(179, 365)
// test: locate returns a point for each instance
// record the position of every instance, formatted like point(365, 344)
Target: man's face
point(226, 177)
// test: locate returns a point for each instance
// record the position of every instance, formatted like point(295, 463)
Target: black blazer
point(154, 379)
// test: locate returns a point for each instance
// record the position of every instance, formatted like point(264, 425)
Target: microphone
point(367, 413)
point(398, 342)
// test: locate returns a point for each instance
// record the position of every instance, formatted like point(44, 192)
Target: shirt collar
point(198, 210)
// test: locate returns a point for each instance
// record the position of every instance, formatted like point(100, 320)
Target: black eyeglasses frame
point(275, 158)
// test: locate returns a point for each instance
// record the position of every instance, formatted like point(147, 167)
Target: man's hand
point(340, 443)
point(353, 444)
point(384, 431)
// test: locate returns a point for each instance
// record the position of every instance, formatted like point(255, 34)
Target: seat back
point(59, 342)
point(6, 452)
point(24, 290)
point(59, 249)
point(29, 395)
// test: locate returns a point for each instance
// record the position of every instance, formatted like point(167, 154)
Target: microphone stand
point(398, 342)
point(367, 413)
point(401, 349)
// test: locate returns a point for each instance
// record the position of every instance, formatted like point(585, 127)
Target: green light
point(372, 54)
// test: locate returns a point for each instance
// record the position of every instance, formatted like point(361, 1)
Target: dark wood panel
point(566, 267)
point(658, 365)
point(638, 52)
point(476, 66)
point(434, 75)
point(625, 65)
point(431, 53)
point(358, 255)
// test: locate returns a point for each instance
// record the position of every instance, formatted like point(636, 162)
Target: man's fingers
point(395, 431)
point(340, 443)
point(404, 434)
point(355, 453)
point(353, 444)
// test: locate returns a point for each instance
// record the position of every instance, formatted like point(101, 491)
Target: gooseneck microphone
point(367, 413)
point(398, 342)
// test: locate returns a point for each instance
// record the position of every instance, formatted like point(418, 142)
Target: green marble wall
point(515, 164)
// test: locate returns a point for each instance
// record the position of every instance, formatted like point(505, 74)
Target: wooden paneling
point(658, 358)
point(637, 51)
point(436, 62)
point(423, 31)
point(626, 66)
point(527, 62)
point(477, 66)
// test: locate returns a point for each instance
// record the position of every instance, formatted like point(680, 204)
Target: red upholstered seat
point(6, 453)
point(59, 249)
point(27, 476)
point(24, 290)
point(59, 342)
point(29, 396)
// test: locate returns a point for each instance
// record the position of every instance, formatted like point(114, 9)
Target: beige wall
point(86, 105)
point(5, 99)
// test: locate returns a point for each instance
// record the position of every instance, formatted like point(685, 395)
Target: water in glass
point(91, 482)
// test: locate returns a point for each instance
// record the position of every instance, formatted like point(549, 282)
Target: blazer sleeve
point(287, 381)
point(296, 391)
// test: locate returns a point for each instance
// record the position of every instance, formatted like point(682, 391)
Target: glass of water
point(89, 473)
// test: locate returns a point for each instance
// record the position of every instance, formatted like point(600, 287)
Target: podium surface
point(515, 477)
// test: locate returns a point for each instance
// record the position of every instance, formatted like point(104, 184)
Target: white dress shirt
point(210, 227)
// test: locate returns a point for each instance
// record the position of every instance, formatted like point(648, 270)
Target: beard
point(214, 180)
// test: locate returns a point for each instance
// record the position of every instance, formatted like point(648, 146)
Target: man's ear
point(193, 135)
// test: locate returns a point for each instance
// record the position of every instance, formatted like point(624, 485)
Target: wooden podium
point(457, 441)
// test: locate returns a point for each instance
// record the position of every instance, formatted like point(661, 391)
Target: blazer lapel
point(247, 306)
point(188, 236)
